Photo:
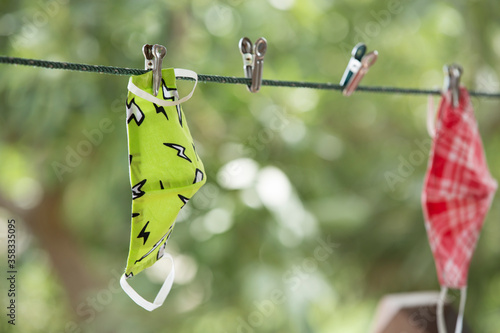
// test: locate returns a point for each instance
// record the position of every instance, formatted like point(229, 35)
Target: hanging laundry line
point(225, 79)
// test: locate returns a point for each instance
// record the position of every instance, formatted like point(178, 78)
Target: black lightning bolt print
point(198, 177)
point(144, 234)
point(137, 192)
point(133, 111)
point(129, 275)
point(161, 185)
point(180, 150)
point(172, 94)
point(169, 94)
point(167, 235)
point(183, 199)
point(135, 215)
point(160, 109)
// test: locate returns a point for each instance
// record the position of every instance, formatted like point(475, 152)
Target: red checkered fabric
point(458, 190)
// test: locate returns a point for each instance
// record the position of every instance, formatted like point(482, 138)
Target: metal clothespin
point(253, 61)
point(153, 58)
point(452, 76)
point(147, 50)
point(356, 69)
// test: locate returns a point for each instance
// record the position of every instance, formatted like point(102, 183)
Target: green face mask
point(165, 172)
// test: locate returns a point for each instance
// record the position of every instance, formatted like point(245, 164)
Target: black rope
point(223, 79)
point(71, 66)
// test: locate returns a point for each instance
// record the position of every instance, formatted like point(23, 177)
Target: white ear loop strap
point(160, 297)
point(153, 99)
point(440, 310)
point(461, 310)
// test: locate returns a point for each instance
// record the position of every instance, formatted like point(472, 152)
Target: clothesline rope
point(224, 79)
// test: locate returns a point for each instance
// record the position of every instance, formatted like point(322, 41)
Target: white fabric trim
point(160, 297)
point(153, 99)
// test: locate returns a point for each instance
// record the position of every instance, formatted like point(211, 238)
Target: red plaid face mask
point(457, 194)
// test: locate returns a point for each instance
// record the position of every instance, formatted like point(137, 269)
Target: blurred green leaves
point(305, 164)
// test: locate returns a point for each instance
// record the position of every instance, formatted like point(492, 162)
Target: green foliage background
point(320, 158)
